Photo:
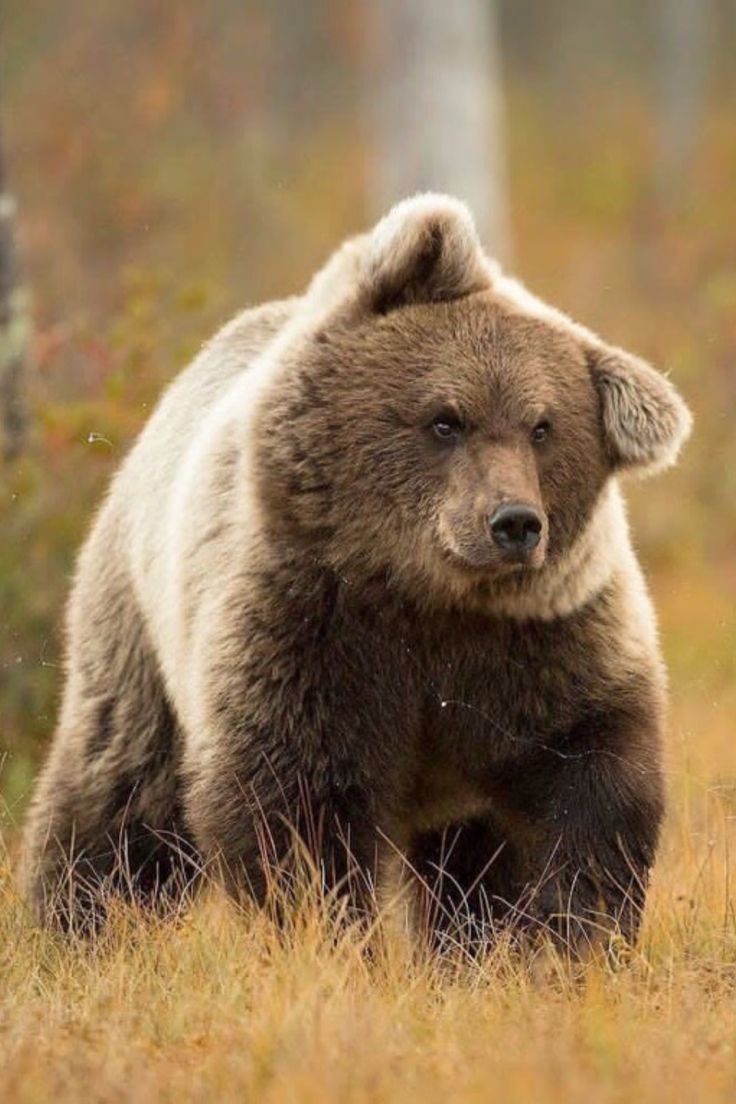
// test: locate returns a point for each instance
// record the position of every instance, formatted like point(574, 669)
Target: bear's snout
point(495, 538)
point(516, 529)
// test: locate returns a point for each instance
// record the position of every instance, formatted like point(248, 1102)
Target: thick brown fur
point(292, 633)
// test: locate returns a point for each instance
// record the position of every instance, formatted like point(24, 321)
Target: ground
point(216, 1007)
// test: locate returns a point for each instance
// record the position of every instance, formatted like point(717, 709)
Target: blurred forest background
point(172, 163)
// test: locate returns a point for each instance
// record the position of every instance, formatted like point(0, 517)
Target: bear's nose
point(516, 528)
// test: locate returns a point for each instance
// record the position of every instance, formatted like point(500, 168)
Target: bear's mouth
point(493, 567)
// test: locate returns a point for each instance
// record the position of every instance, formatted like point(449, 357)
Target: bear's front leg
point(584, 814)
point(272, 829)
point(296, 746)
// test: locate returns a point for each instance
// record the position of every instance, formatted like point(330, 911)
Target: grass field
point(217, 1007)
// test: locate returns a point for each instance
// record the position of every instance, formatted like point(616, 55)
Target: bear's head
point(434, 423)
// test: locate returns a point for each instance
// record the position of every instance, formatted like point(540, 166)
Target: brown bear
point(363, 588)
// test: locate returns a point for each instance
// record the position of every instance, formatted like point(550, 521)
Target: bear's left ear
point(425, 250)
point(644, 418)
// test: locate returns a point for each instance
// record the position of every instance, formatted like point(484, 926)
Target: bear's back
point(127, 557)
point(182, 409)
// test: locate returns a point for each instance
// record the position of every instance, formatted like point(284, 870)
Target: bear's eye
point(541, 432)
point(447, 426)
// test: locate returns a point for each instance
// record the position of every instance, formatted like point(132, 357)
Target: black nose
point(516, 528)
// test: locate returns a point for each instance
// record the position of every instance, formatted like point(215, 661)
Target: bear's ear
point(645, 420)
point(425, 250)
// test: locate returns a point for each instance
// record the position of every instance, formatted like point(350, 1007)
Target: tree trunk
point(13, 327)
point(437, 106)
point(682, 59)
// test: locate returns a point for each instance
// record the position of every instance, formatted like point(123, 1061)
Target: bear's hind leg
point(106, 816)
point(107, 826)
point(107, 822)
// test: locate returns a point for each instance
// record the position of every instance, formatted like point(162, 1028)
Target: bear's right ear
point(425, 250)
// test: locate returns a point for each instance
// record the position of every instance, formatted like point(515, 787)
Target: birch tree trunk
point(13, 326)
point(437, 108)
point(682, 61)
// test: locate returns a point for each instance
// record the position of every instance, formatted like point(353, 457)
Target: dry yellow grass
point(216, 1007)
